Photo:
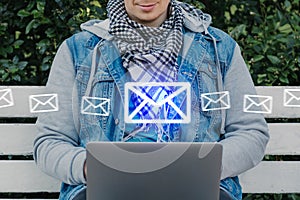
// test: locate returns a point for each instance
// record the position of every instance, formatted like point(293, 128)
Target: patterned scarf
point(151, 52)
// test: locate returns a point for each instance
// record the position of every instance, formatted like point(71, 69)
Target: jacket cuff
point(78, 168)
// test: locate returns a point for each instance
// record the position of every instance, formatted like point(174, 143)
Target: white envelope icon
point(258, 104)
point(95, 106)
point(43, 103)
point(215, 101)
point(6, 98)
point(181, 89)
point(291, 98)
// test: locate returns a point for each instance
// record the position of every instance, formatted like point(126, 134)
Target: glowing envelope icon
point(181, 89)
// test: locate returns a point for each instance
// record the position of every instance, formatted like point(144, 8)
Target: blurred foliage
point(31, 31)
point(271, 197)
point(269, 34)
point(267, 31)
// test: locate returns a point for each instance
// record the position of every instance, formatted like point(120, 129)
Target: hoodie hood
point(191, 21)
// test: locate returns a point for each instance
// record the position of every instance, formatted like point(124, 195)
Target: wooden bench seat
point(22, 176)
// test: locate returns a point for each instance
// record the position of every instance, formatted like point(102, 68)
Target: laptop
point(153, 171)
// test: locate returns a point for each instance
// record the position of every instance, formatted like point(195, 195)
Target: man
point(149, 41)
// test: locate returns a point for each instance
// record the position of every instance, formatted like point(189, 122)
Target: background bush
point(31, 31)
point(267, 31)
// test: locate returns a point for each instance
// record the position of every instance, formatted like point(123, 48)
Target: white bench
point(22, 176)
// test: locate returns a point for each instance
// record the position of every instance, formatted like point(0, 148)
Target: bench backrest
point(22, 176)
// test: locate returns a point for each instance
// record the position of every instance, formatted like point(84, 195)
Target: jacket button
point(117, 121)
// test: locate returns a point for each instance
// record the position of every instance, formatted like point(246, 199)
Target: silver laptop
point(153, 171)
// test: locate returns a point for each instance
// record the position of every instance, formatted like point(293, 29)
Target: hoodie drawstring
point(96, 54)
point(220, 86)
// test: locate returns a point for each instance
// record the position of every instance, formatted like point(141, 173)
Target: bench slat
point(24, 176)
point(17, 139)
point(21, 95)
point(284, 139)
point(279, 110)
point(272, 177)
point(21, 101)
point(267, 177)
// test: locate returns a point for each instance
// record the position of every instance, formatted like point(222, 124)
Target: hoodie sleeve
point(56, 148)
point(246, 134)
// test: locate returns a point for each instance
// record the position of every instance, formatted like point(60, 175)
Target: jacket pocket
point(209, 117)
point(96, 106)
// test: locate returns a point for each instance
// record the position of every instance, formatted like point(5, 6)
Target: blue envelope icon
point(178, 102)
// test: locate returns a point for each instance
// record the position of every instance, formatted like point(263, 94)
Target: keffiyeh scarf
point(151, 51)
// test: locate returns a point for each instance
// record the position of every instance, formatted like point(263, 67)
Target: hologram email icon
point(178, 102)
point(215, 101)
point(43, 103)
point(6, 98)
point(258, 104)
point(291, 98)
point(95, 106)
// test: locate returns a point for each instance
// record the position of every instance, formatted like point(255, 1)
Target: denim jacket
point(88, 63)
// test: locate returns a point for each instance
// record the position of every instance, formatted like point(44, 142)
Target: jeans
point(82, 195)
point(224, 195)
